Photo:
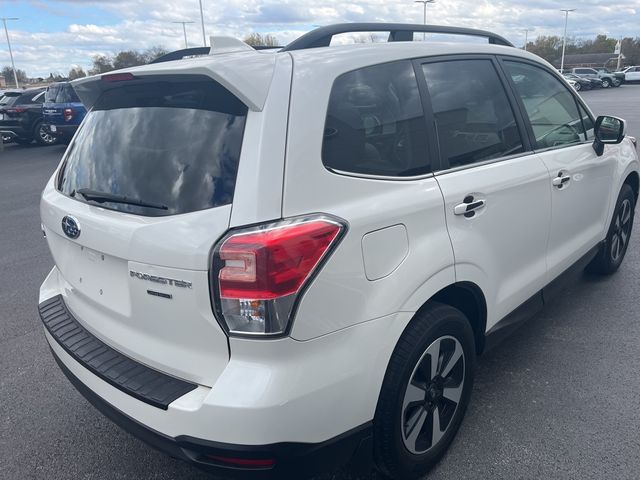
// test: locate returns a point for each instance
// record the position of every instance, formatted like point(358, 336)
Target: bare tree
point(259, 40)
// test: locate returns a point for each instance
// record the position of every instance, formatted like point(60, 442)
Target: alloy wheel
point(433, 394)
point(46, 136)
point(622, 230)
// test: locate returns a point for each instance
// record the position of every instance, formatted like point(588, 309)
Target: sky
point(51, 36)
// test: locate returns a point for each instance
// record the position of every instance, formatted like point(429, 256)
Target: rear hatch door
point(148, 181)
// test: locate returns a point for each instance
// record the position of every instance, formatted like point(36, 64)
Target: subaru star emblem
point(70, 227)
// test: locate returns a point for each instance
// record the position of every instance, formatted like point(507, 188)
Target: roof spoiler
point(398, 32)
point(219, 44)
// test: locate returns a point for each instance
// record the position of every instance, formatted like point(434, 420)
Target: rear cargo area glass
point(170, 143)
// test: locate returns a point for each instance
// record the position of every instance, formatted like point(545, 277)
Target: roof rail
point(398, 32)
point(180, 54)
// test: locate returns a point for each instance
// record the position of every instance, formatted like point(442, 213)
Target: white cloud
point(144, 23)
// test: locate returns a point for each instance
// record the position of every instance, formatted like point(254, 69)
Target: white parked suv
point(274, 263)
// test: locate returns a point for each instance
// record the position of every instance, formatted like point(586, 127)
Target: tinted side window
point(551, 108)
point(52, 93)
point(473, 116)
point(67, 95)
point(375, 124)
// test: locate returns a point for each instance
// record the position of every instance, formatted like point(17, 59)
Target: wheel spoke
point(614, 246)
point(626, 212)
point(414, 394)
point(624, 237)
point(416, 425)
point(436, 433)
point(455, 358)
point(434, 352)
point(453, 393)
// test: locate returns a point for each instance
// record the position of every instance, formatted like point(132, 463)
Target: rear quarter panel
point(341, 295)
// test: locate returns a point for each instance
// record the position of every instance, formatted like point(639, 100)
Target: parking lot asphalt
point(560, 399)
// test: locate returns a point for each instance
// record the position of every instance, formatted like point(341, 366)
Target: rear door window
point(474, 119)
point(173, 145)
point(375, 124)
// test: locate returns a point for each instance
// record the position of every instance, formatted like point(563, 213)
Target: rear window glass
point(8, 100)
point(29, 97)
point(63, 93)
point(375, 124)
point(171, 144)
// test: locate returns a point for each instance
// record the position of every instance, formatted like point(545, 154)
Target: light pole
point(204, 38)
point(184, 30)
point(6, 32)
point(564, 38)
point(526, 38)
point(424, 16)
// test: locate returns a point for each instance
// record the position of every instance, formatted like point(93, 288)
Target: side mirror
point(607, 130)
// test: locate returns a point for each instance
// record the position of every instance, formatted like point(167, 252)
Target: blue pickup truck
point(62, 110)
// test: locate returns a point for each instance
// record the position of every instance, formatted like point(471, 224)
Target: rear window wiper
point(101, 197)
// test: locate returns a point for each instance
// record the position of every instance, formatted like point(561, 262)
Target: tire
point(606, 83)
point(402, 452)
point(616, 83)
point(614, 247)
point(42, 136)
point(578, 87)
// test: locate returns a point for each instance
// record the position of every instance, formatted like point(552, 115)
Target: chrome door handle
point(468, 209)
point(561, 180)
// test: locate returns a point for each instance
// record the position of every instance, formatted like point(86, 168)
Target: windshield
point(169, 143)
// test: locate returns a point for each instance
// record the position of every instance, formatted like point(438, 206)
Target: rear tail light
point(118, 77)
point(68, 114)
point(258, 274)
point(248, 463)
point(16, 110)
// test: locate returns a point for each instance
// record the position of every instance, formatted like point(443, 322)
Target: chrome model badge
point(70, 227)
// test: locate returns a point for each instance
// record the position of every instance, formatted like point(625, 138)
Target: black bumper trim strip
point(133, 378)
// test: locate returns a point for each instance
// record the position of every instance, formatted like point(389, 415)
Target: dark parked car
point(607, 79)
point(21, 117)
point(62, 110)
point(583, 83)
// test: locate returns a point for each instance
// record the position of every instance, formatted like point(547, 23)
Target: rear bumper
point(62, 131)
point(289, 460)
point(287, 400)
point(13, 131)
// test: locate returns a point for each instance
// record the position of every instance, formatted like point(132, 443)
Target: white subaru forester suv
point(274, 263)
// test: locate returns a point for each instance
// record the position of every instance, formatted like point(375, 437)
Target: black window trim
point(523, 112)
point(441, 167)
point(431, 159)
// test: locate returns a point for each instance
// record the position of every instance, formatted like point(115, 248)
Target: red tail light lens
point(259, 273)
point(16, 110)
point(249, 463)
point(68, 114)
point(118, 77)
